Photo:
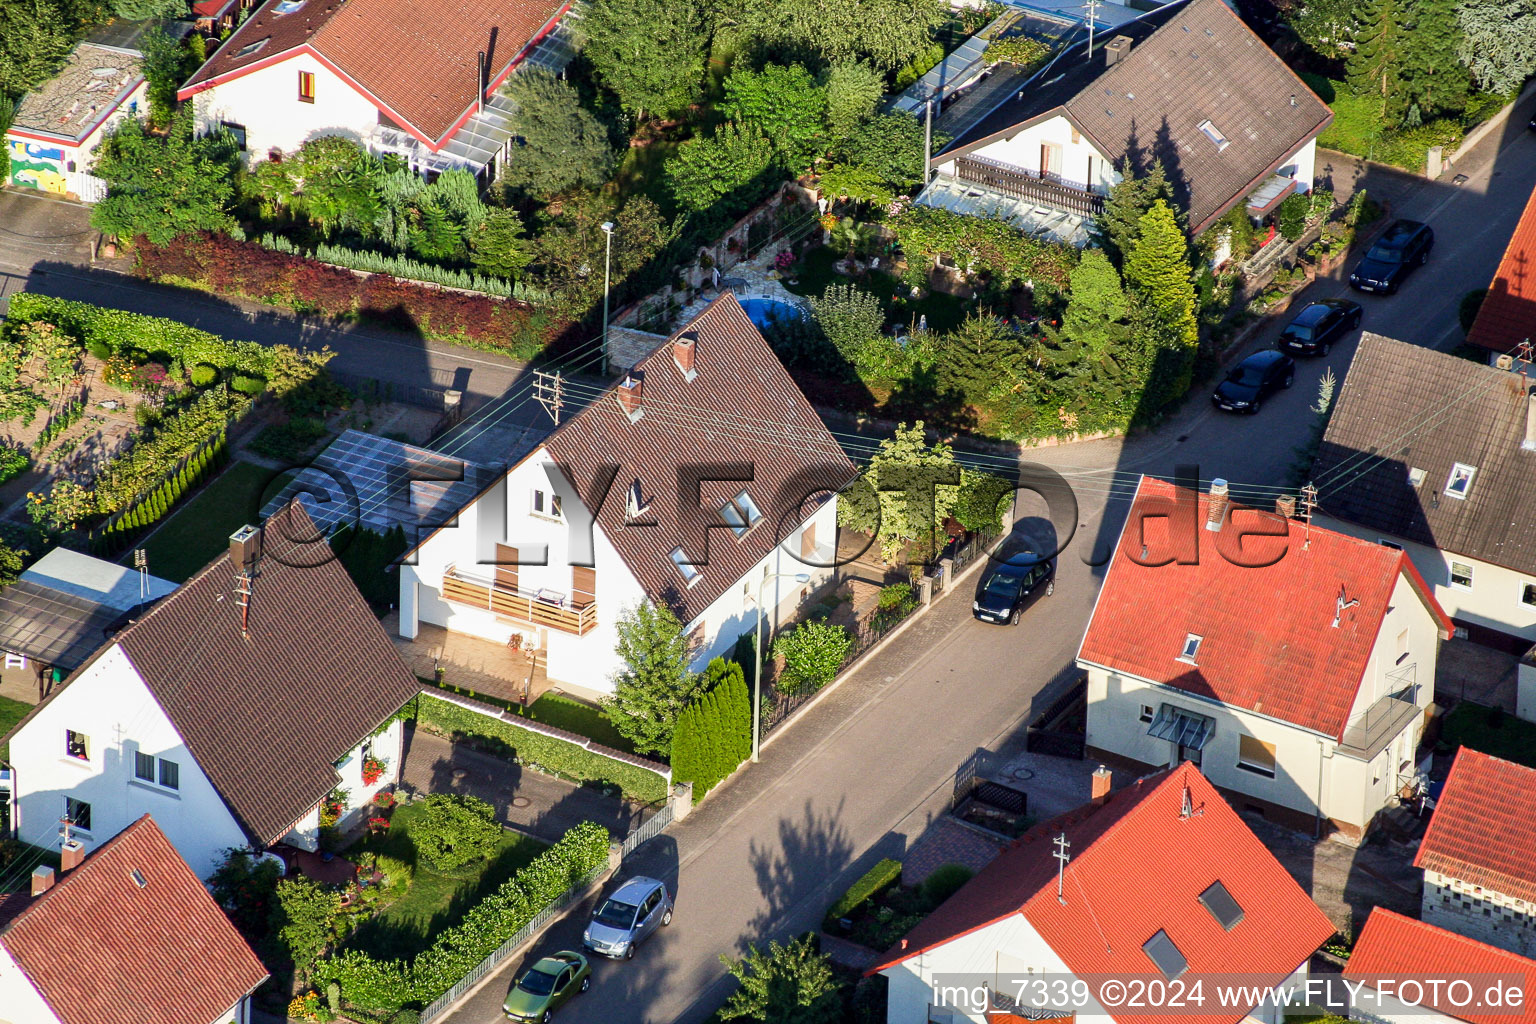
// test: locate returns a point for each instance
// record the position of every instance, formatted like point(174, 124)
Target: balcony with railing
point(538, 607)
point(1041, 187)
point(1368, 734)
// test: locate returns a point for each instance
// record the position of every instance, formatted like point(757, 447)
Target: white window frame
point(1209, 130)
point(90, 812)
point(1191, 649)
point(1463, 473)
point(1450, 574)
point(1528, 587)
point(85, 742)
point(1147, 713)
point(634, 504)
point(538, 497)
point(741, 513)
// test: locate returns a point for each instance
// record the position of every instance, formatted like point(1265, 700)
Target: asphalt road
point(863, 775)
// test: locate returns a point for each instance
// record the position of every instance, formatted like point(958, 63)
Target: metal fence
point(427, 396)
point(440, 1005)
point(649, 829)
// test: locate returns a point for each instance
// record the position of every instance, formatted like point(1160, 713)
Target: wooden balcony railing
point(539, 608)
point(1040, 187)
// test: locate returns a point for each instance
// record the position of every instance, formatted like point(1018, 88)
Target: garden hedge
point(385, 986)
point(223, 264)
point(873, 880)
point(713, 735)
point(538, 751)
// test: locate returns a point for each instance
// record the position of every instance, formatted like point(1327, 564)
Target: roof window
point(138, 878)
point(1222, 906)
point(250, 48)
point(1415, 476)
point(1162, 952)
point(1191, 648)
point(680, 559)
point(287, 6)
point(741, 513)
point(1460, 481)
point(1214, 134)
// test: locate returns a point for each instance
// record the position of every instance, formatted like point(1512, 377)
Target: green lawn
point(1492, 731)
point(574, 716)
point(200, 529)
point(814, 273)
point(436, 899)
point(11, 712)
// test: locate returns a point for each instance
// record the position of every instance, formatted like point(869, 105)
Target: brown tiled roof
point(268, 714)
point(1508, 313)
point(1484, 828)
point(1403, 407)
point(741, 407)
point(418, 57)
point(101, 949)
point(1189, 63)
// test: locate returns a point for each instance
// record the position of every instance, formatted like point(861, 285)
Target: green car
point(546, 985)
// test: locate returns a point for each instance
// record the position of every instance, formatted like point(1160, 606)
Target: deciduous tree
point(163, 187)
point(649, 52)
point(560, 144)
point(35, 37)
point(709, 168)
point(854, 90)
point(888, 33)
point(785, 103)
point(654, 685)
point(901, 497)
point(786, 984)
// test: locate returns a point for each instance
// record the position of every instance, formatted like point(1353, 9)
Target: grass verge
point(200, 529)
point(1491, 731)
point(11, 712)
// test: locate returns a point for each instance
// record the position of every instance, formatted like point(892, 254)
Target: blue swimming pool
point(766, 311)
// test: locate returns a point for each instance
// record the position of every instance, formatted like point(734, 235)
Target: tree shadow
point(810, 852)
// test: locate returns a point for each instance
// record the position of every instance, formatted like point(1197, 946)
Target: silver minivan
point(626, 918)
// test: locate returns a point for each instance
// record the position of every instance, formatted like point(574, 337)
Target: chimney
point(628, 394)
point(480, 82)
point(683, 347)
point(245, 548)
point(1101, 780)
point(70, 856)
point(1505, 361)
point(42, 880)
point(1217, 509)
point(1116, 49)
point(1285, 505)
point(1529, 444)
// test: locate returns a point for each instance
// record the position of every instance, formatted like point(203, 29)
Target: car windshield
point(1301, 332)
point(1002, 585)
point(537, 983)
point(1385, 254)
point(616, 914)
point(1247, 375)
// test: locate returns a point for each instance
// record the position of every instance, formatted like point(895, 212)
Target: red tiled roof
point(211, 8)
point(1393, 946)
point(1267, 640)
point(102, 950)
point(1484, 827)
point(417, 57)
point(1138, 866)
point(1509, 310)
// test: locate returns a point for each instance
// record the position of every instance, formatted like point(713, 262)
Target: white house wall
point(1302, 165)
point(266, 103)
point(1082, 163)
point(111, 705)
point(20, 1001)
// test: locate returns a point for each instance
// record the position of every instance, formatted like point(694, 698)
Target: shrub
point(713, 735)
point(13, 462)
point(873, 881)
point(812, 652)
point(456, 829)
point(248, 385)
point(895, 596)
point(538, 751)
point(945, 881)
point(304, 920)
point(203, 375)
point(289, 441)
point(1292, 216)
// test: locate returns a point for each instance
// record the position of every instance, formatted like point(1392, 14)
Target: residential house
point(1158, 881)
point(1479, 854)
point(230, 710)
point(1504, 319)
point(1188, 84)
point(409, 77)
point(1436, 455)
point(217, 16)
point(701, 480)
point(58, 126)
point(123, 935)
point(59, 611)
point(1392, 948)
point(1294, 664)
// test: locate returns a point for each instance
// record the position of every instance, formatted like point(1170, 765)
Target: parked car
point(1402, 247)
point(628, 917)
point(1319, 325)
point(1012, 586)
point(1253, 380)
point(546, 985)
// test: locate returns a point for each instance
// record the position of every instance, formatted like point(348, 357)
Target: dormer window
point(680, 559)
point(1191, 648)
point(1460, 481)
point(741, 513)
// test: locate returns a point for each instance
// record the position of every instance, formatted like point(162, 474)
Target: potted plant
point(373, 770)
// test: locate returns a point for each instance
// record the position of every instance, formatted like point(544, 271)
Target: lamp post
point(607, 227)
point(757, 679)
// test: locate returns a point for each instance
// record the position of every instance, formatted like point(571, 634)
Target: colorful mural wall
point(37, 166)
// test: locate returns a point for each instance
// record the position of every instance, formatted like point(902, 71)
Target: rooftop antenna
point(1187, 809)
point(1344, 603)
point(1062, 857)
point(65, 822)
point(1093, 10)
point(1308, 503)
point(245, 553)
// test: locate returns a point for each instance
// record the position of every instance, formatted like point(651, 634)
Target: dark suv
point(1405, 245)
point(1316, 328)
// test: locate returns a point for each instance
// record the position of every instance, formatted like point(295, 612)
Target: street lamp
point(757, 679)
point(607, 227)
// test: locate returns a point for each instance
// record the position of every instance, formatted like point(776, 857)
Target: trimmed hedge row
point(538, 751)
point(224, 264)
point(157, 501)
point(873, 880)
point(385, 986)
point(371, 262)
point(713, 735)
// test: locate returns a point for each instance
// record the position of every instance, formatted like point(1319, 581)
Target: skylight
point(1214, 134)
point(1415, 476)
point(1222, 906)
point(1191, 648)
point(250, 48)
point(1460, 481)
point(138, 878)
point(679, 559)
point(1162, 952)
point(287, 6)
point(634, 504)
point(741, 513)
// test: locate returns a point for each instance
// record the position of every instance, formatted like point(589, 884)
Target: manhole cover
point(459, 773)
point(1022, 773)
point(521, 801)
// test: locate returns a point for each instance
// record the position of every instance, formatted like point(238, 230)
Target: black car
point(1012, 586)
point(1317, 327)
point(1405, 245)
point(1253, 380)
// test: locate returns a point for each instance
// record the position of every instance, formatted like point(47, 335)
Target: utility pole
point(1093, 10)
point(927, 139)
point(607, 227)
